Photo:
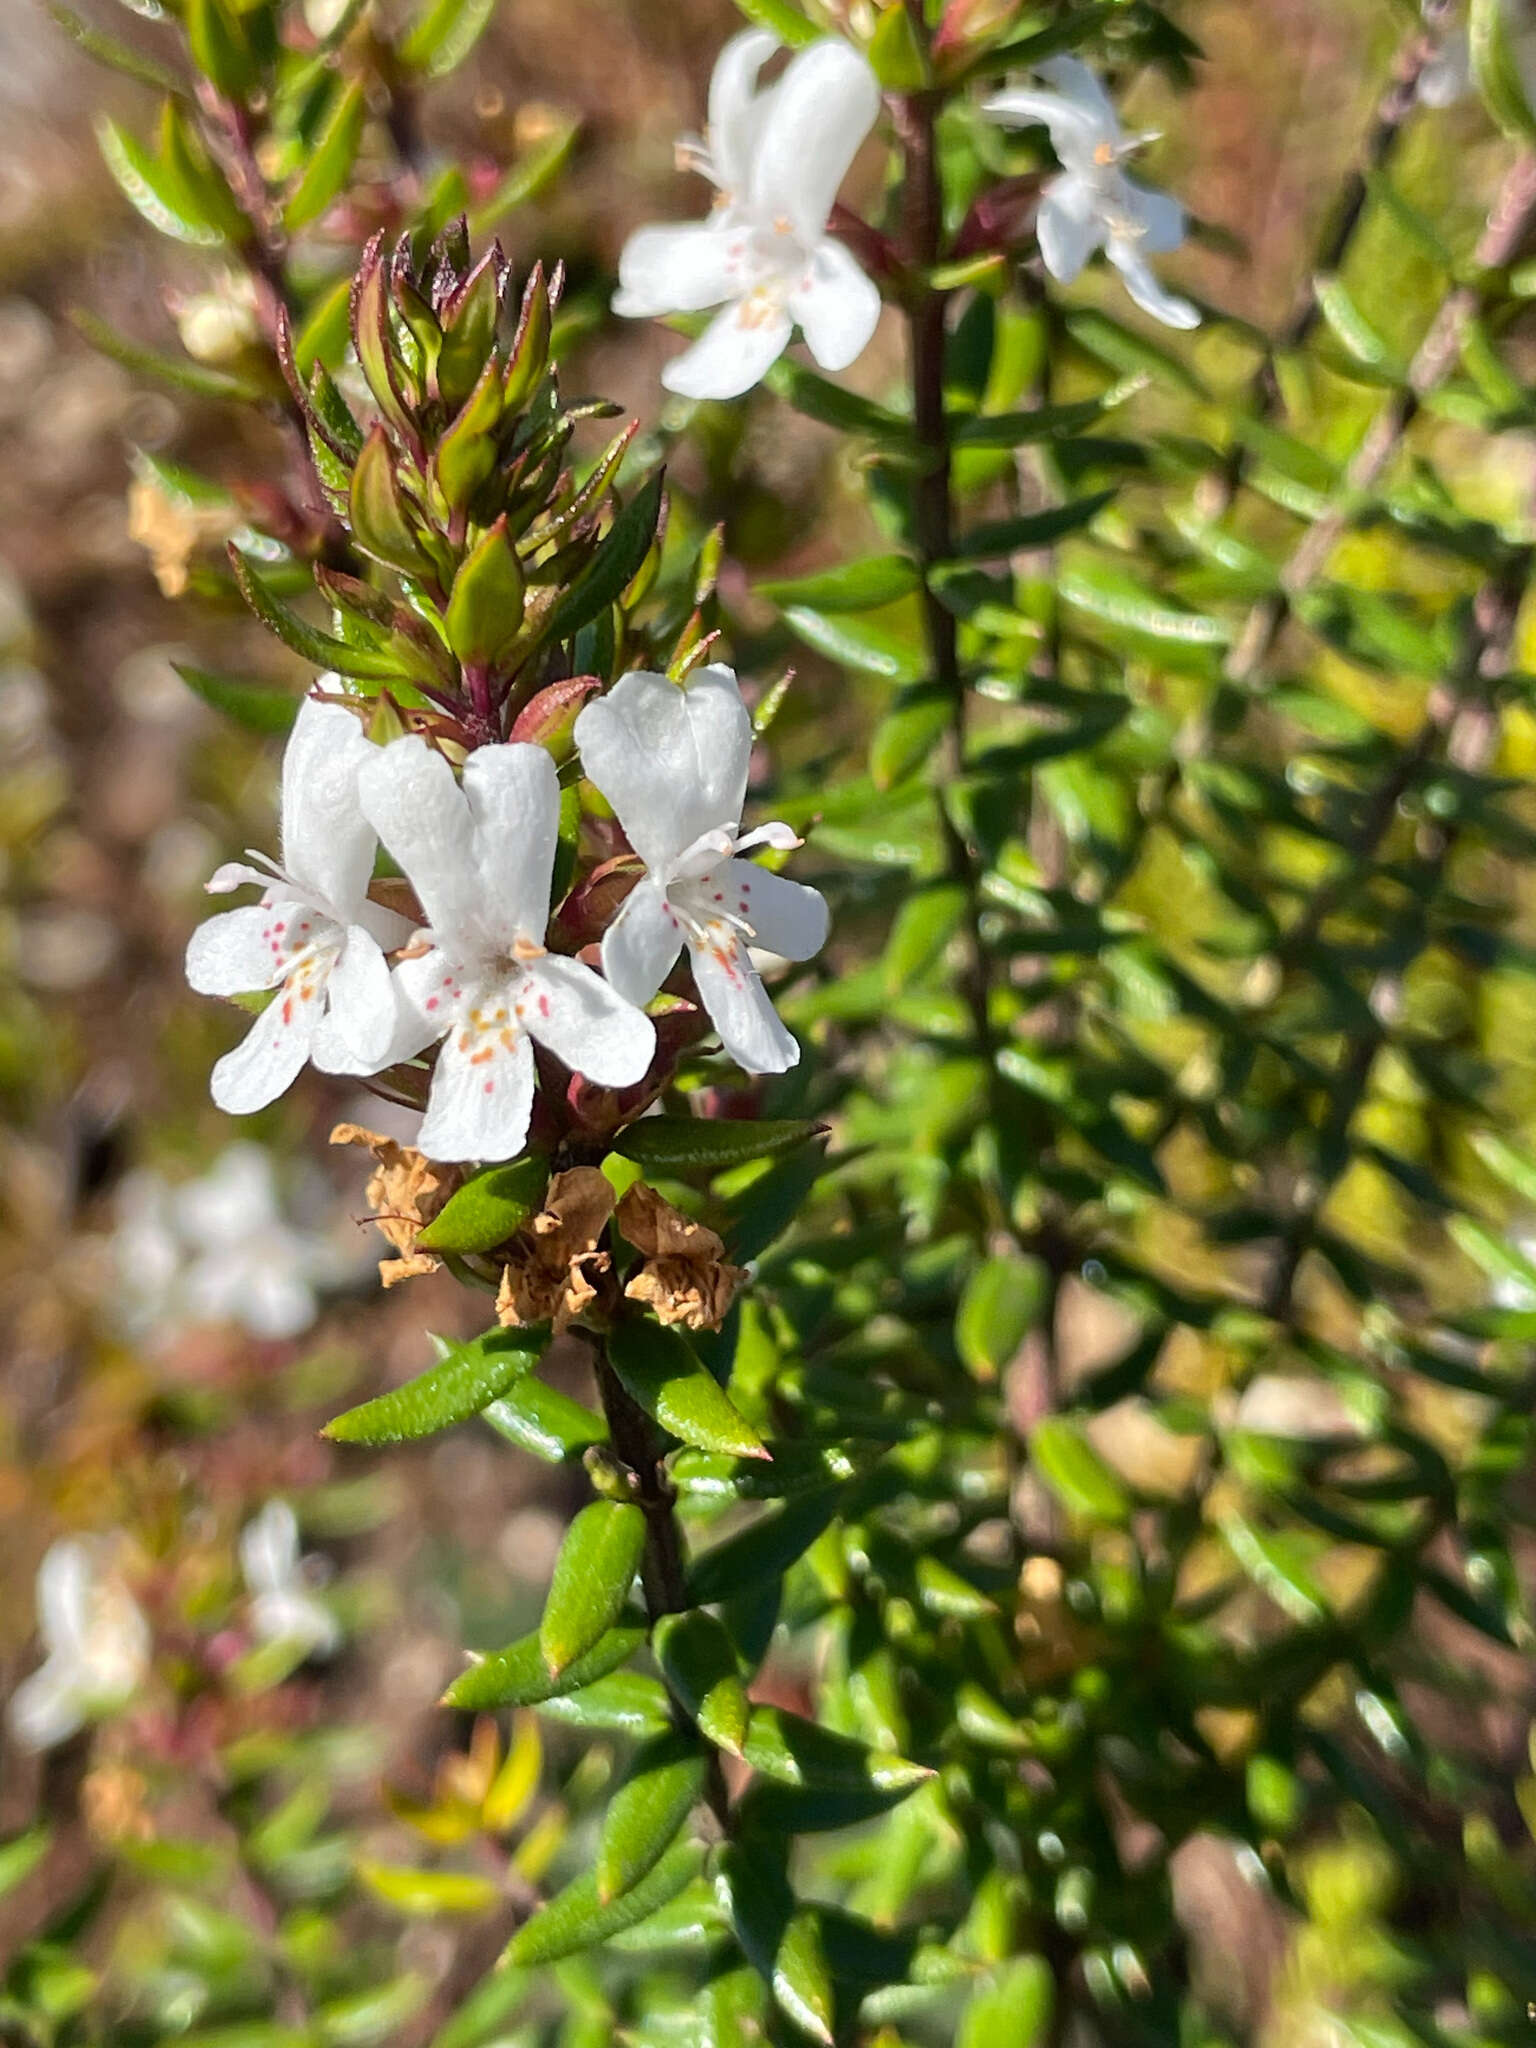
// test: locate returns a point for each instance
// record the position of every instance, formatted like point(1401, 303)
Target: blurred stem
point(662, 1573)
point(933, 526)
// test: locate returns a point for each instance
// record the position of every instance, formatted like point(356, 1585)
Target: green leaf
point(1015, 429)
point(1516, 1169)
point(1349, 326)
point(544, 1422)
point(257, 706)
point(626, 1703)
point(216, 39)
point(196, 379)
point(323, 336)
point(1031, 529)
point(905, 738)
point(662, 1373)
point(802, 1982)
point(518, 1676)
point(322, 649)
point(765, 1550)
point(153, 190)
point(644, 1816)
point(1498, 1258)
point(1130, 353)
point(781, 19)
point(872, 650)
point(1496, 67)
point(669, 1145)
point(490, 1206)
point(1278, 1563)
point(1073, 1470)
point(443, 35)
point(923, 927)
point(1119, 600)
point(699, 1664)
point(608, 574)
point(20, 1856)
point(464, 1380)
point(793, 1751)
point(820, 399)
point(118, 56)
point(1001, 1302)
point(858, 586)
point(1011, 2008)
point(576, 1919)
point(424, 1894)
point(330, 162)
point(898, 59)
point(592, 1577)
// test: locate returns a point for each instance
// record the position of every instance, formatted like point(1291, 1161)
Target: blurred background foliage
point(1185, 1346)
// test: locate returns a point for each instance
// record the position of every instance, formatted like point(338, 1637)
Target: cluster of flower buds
point(449, 469)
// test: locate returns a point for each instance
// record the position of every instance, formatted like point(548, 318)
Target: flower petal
point(734, 352)
point(1069, 226)
point(513, 792)
point(1163, 221)
point(64, 1581)
point(679, 269)
point(671, 758)
point(641, 944)
point(269, 1547)
point(786, 917)
point(736, 108)
point(328, 844)
point(292, 1615)
point(419, 811)
point(1077, 130)
point(357, 1033)
point(479, 1110)
point(46, 1709)
point(732, 991)
point(819, 113)
point(230, 1203)
point(1144, 288)
point(837, 306)
point(231, 954)
point(267, 1061)
point(587, 1024)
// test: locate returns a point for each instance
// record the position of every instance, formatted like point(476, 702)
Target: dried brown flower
point(405, 1191)
point(684, 1276)
point(172, 530)
point(554, 1270)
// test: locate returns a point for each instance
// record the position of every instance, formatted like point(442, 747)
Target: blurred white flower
point(97, 1640)
point(1447, 77)
point(1093, 204)
point(218, 325)
point(672, 759)
point(315, 938)
point(481, 858)
point(218, 1249)
point(777, 158)
point(284, 1605)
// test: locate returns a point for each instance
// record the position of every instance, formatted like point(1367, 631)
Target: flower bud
point(485, 610)
point(380, 512)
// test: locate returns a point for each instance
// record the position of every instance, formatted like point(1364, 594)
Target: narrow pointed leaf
point(518, 1676)
point(699, 1664)
point(577, 1920)
point(488, 1208)
point(458, 1386)
point(592, 1577)
point(682, 1144)
point(665, 1783)
point(662, 1373)
point(544, 1422)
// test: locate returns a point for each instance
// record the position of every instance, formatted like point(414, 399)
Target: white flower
point(481, 858)
point(284, 1608)
point(217, 1250)
point(314, 937)
point(777, 157)
point(672, 760)
point(98, 1646)
point(1093, 204)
